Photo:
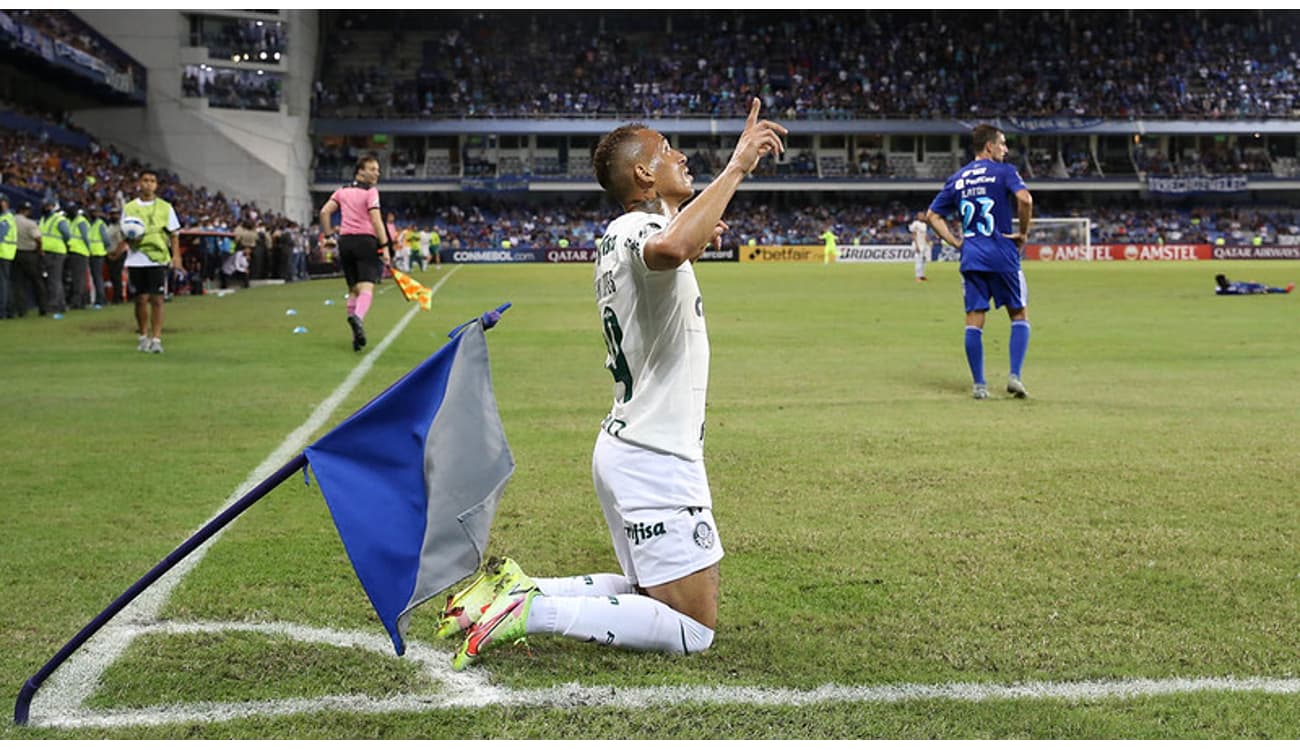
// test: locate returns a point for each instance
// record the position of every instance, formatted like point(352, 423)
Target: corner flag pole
point(23, 706)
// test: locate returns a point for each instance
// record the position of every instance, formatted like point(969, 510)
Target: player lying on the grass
point(1247, 287)
point(648, 463)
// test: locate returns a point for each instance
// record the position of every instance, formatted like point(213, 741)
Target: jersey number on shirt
point(616, 363)
point(971, 223)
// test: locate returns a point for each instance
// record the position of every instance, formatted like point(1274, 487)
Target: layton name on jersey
point(971, 180)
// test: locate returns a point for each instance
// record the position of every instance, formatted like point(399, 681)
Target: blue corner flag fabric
point(413, 478)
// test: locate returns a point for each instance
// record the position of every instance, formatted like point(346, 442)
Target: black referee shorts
point(359, 256)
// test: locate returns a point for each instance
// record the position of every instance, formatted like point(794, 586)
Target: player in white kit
point(920, 243)
point(648, 463)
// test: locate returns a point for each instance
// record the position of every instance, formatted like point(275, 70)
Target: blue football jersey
point(982, 195)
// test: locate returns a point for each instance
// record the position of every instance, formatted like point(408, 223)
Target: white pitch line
point(78, 678)
point(461, 690)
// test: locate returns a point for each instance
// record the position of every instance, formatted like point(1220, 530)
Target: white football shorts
point(659, 511)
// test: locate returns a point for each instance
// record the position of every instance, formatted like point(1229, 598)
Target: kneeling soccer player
point(648, 463)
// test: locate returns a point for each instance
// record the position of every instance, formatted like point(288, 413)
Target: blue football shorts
point(1005, 288)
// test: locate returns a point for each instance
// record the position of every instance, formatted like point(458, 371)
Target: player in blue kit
point(981, 194)
point(1223, 286)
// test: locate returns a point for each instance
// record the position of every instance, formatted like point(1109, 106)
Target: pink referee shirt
point(354, 208)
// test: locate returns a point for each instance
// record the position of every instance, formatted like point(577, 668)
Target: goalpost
point(1072, 231)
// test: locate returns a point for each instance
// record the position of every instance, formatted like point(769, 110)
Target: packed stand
point(102, 176)
point(66, 27)
point(94, 181)
point(1206, 64)
point(493, 223)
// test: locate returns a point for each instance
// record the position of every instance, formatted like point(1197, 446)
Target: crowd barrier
point(904, 253)
point(867, 253)
point(553, 255)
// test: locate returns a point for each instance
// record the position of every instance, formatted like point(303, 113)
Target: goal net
point(1076, 232)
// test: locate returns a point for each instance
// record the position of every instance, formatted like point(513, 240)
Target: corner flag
point(412, 479)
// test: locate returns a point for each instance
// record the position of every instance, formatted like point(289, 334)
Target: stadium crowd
point(101, 176)
point(98, 178)
point(494, 223)
point(64, 26)
point(39, 171)
point(916, 65)
point(332, 161)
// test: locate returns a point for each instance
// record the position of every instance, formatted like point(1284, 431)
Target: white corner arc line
point(77, 678)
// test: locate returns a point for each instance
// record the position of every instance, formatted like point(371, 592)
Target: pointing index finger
point(754, 106)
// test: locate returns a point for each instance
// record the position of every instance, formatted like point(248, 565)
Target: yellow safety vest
point(97, 248)
point(9, 242)
point(77, 245)
point(51, 237)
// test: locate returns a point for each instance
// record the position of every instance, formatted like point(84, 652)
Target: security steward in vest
point(8, 249)
point(55, 233)
point(99, 239)
point(77, 269)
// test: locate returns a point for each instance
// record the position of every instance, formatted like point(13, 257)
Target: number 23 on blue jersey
point(977, 217)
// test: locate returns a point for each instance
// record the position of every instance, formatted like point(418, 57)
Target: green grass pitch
point(1135, 518)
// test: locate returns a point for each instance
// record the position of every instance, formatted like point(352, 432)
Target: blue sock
point(1019, 345)
point(975, 353)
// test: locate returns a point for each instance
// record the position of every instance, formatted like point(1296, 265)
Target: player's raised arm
point(698, 224)
point(759, 138)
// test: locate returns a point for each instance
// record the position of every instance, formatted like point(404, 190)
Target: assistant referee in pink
point(361, 252)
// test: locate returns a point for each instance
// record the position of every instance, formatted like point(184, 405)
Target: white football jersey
point(657, 348)
point(920, 234)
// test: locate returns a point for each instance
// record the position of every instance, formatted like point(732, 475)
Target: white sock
point(596, 584)
point(629, 621)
